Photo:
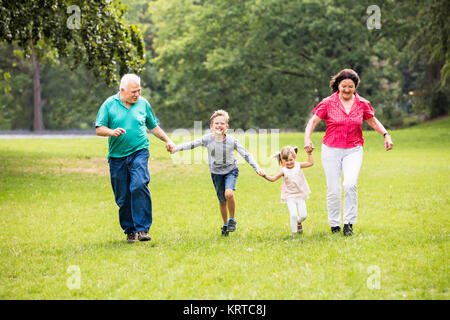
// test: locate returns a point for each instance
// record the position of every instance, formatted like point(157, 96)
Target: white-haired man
point(124, 118)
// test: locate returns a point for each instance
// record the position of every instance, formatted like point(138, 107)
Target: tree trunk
point(38, 121)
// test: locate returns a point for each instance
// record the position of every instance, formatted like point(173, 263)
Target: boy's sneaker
point(348, 229)
point(231, 225)
point(336, 229)
point(224, 231)
point(131, 237)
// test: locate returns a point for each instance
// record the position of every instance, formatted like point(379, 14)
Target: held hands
point(309, 147)
point(261, 172)
point(170, 147)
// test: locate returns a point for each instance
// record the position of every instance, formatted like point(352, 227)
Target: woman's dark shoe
point(336, 229)
point(348, 229)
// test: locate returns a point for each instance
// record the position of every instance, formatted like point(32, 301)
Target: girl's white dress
point(294, 191)
point(294, 185)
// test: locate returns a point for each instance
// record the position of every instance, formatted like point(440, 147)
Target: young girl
point(294, 188)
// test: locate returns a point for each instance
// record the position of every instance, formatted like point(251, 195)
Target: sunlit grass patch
point(58, 211)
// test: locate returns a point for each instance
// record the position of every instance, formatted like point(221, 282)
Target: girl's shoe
point(299, 227)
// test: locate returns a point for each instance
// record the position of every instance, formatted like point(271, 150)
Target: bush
point(391, 117)
point(411, 121)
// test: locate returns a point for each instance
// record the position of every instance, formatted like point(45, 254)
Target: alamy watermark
point(74, 20)
point(260, 143)
point(74, 281)
point(374, 21)
point(373, 281)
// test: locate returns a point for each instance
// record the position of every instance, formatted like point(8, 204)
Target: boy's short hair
point(219, 113)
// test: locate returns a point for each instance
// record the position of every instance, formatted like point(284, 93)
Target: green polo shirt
point(113, 114)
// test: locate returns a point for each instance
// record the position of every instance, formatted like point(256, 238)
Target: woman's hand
point(312, 123)
point(309, 147)
point(378, 127)
point(388, 144)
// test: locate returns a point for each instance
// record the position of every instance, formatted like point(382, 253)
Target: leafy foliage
point(102, 41)
point(431, 54)
point(267, 62)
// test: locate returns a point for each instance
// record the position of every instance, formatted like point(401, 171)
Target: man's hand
point(117, 132)
point(107, 132)
point(170, 146)
point(157, 131)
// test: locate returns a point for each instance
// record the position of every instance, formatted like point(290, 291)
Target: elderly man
point(124, 118)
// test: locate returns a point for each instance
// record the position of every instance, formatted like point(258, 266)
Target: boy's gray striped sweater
point(221, 156)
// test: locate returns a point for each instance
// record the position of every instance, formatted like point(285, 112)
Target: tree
point(153, 86)
point(267, 62)
point(431, 54)
point(93, 33)
point(16, 91)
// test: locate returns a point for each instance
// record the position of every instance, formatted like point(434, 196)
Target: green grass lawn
point(58, 215)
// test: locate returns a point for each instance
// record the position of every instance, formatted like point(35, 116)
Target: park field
point(60, 235)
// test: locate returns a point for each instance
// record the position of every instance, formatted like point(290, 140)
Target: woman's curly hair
point(342, 75)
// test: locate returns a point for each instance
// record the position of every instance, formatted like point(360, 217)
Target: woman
point(342, 146)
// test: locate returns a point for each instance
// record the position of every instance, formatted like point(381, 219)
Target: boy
point(223, 164)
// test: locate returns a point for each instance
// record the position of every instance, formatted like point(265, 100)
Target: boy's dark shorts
point(224, 181)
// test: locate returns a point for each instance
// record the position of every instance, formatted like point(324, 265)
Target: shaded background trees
point(267, 62)
point(89, 33)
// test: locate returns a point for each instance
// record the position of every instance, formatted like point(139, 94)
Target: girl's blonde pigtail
point(278, 157)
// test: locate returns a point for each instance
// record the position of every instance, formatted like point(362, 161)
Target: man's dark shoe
point(348, 229)
point(131, 237)
point(336, 229)
point(231, 225)
point(143, 236)
point(224, 231)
